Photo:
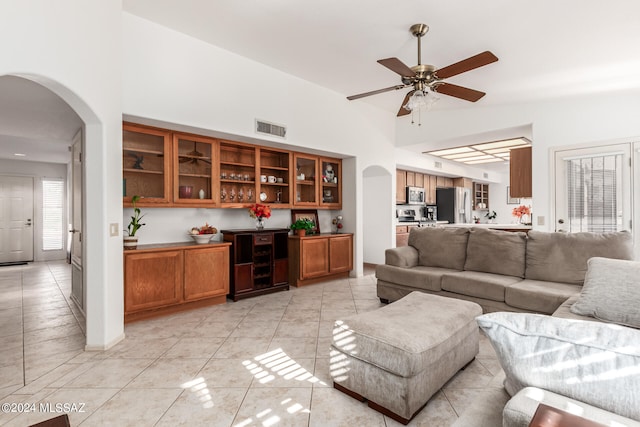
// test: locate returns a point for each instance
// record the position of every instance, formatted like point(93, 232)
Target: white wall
point(174, 80)
point(38, 171)
point(377, 182)
point(73, 48)
point(555, 123)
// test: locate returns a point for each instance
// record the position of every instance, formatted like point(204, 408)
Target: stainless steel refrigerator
point(454, 205)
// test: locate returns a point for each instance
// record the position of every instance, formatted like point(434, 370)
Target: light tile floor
point(257, 362)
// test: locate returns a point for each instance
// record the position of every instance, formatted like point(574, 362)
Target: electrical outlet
point(540, 220)
point(113, 229)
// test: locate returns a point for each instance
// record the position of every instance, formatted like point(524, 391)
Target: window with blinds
point(52, 214)
point(594, 193)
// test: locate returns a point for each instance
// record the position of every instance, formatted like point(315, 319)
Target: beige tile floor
point(257, 362)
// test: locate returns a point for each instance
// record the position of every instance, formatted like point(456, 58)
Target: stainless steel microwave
point(415, 195)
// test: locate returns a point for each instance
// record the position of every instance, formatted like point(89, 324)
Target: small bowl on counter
point(202, 239)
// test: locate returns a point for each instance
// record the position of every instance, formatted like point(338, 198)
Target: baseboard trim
point(107, 346)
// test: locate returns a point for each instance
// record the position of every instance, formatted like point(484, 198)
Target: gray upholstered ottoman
point(400, 355)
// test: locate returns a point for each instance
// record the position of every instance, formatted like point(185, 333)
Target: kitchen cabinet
point(401, 185)
point(318, 181)
point(275, 177)
point(430, 189)
point(402, 234)
point(237, 174)
point(411, 179)
point(419, 180)
point(194, 167)
point(259, 261)
point(164, 278)
point(463, 182)
point(146, 162)
point(520, 171)
point(444, 182)
point(480, 196)
point(319, 257)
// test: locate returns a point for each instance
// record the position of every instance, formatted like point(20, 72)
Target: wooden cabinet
point(259, 261)
point(164, 278)
point(146, 162)
point(401, 184)
point(275, 177)
point(429, 189)
point(520, 171)
point(480, 196)
point(330, 183)
point(173, 169)
point(463, 182)
point(237, 175)
point(411, 179)
point(319, 257)
point(194, 167)
point(444, 182)
point(402, 234)
point(306, 173)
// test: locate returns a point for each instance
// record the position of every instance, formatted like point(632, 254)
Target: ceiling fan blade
point(397, 66)
point(403, 111)
point(465, 65)
point(375, 92)
point(459, 92)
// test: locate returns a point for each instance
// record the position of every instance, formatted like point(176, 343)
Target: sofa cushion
point(562, 257)
point(539, 296)
point(404, 256)
point(428, 278)
point(593, 362)
point(440, 247)
point(519, 411)
point(564, 311)
point(611, 292)
point(499, 252)
point(476, 284)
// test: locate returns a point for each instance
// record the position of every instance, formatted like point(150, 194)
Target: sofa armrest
point(404, 256)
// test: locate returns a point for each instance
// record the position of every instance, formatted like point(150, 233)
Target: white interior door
point(593, 189)
point(16, 218)
point(77, 281)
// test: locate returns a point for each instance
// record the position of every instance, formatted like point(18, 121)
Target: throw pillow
point(562, 257)
point(498, 252)
point(593, 362)
point(611, 292)
point(440, 247)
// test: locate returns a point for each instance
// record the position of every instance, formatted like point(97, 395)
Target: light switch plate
point(113, 229)
point(540, 220)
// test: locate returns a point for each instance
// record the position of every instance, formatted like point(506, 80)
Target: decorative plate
point(263, 197)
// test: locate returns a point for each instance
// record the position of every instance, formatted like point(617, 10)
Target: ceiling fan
point(424, 76)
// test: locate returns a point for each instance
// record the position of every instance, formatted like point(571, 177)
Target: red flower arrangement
point(520, 211)
point(260, 211)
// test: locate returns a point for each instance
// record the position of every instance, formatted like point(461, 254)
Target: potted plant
point(131, 240)
point(302, 225)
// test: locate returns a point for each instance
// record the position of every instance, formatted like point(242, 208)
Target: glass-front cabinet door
point(238, 175)
point(194, 168)
point(331, 182)
point(146, 162)
point(306, 176)
point(274, 177)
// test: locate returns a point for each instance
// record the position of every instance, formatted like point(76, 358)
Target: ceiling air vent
point(438, 165)
point(270, 128)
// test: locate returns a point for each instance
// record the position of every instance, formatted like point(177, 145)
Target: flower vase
point(260, 223)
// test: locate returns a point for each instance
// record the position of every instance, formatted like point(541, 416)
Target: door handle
point(74, 231)
point(28, 224)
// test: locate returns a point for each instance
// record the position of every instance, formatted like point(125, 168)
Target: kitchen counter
point(507, 227)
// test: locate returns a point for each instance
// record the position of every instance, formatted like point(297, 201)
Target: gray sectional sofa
point(500, 270)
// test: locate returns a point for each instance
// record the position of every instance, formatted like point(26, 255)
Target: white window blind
point(594, 190)
point(52, 214)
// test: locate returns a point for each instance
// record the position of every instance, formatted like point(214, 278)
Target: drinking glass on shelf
point(240, 195)
point(250, 194)
point(223, 194)
point(246, 177)
point(223, 175)
point(232, 176)
point(232, 195)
